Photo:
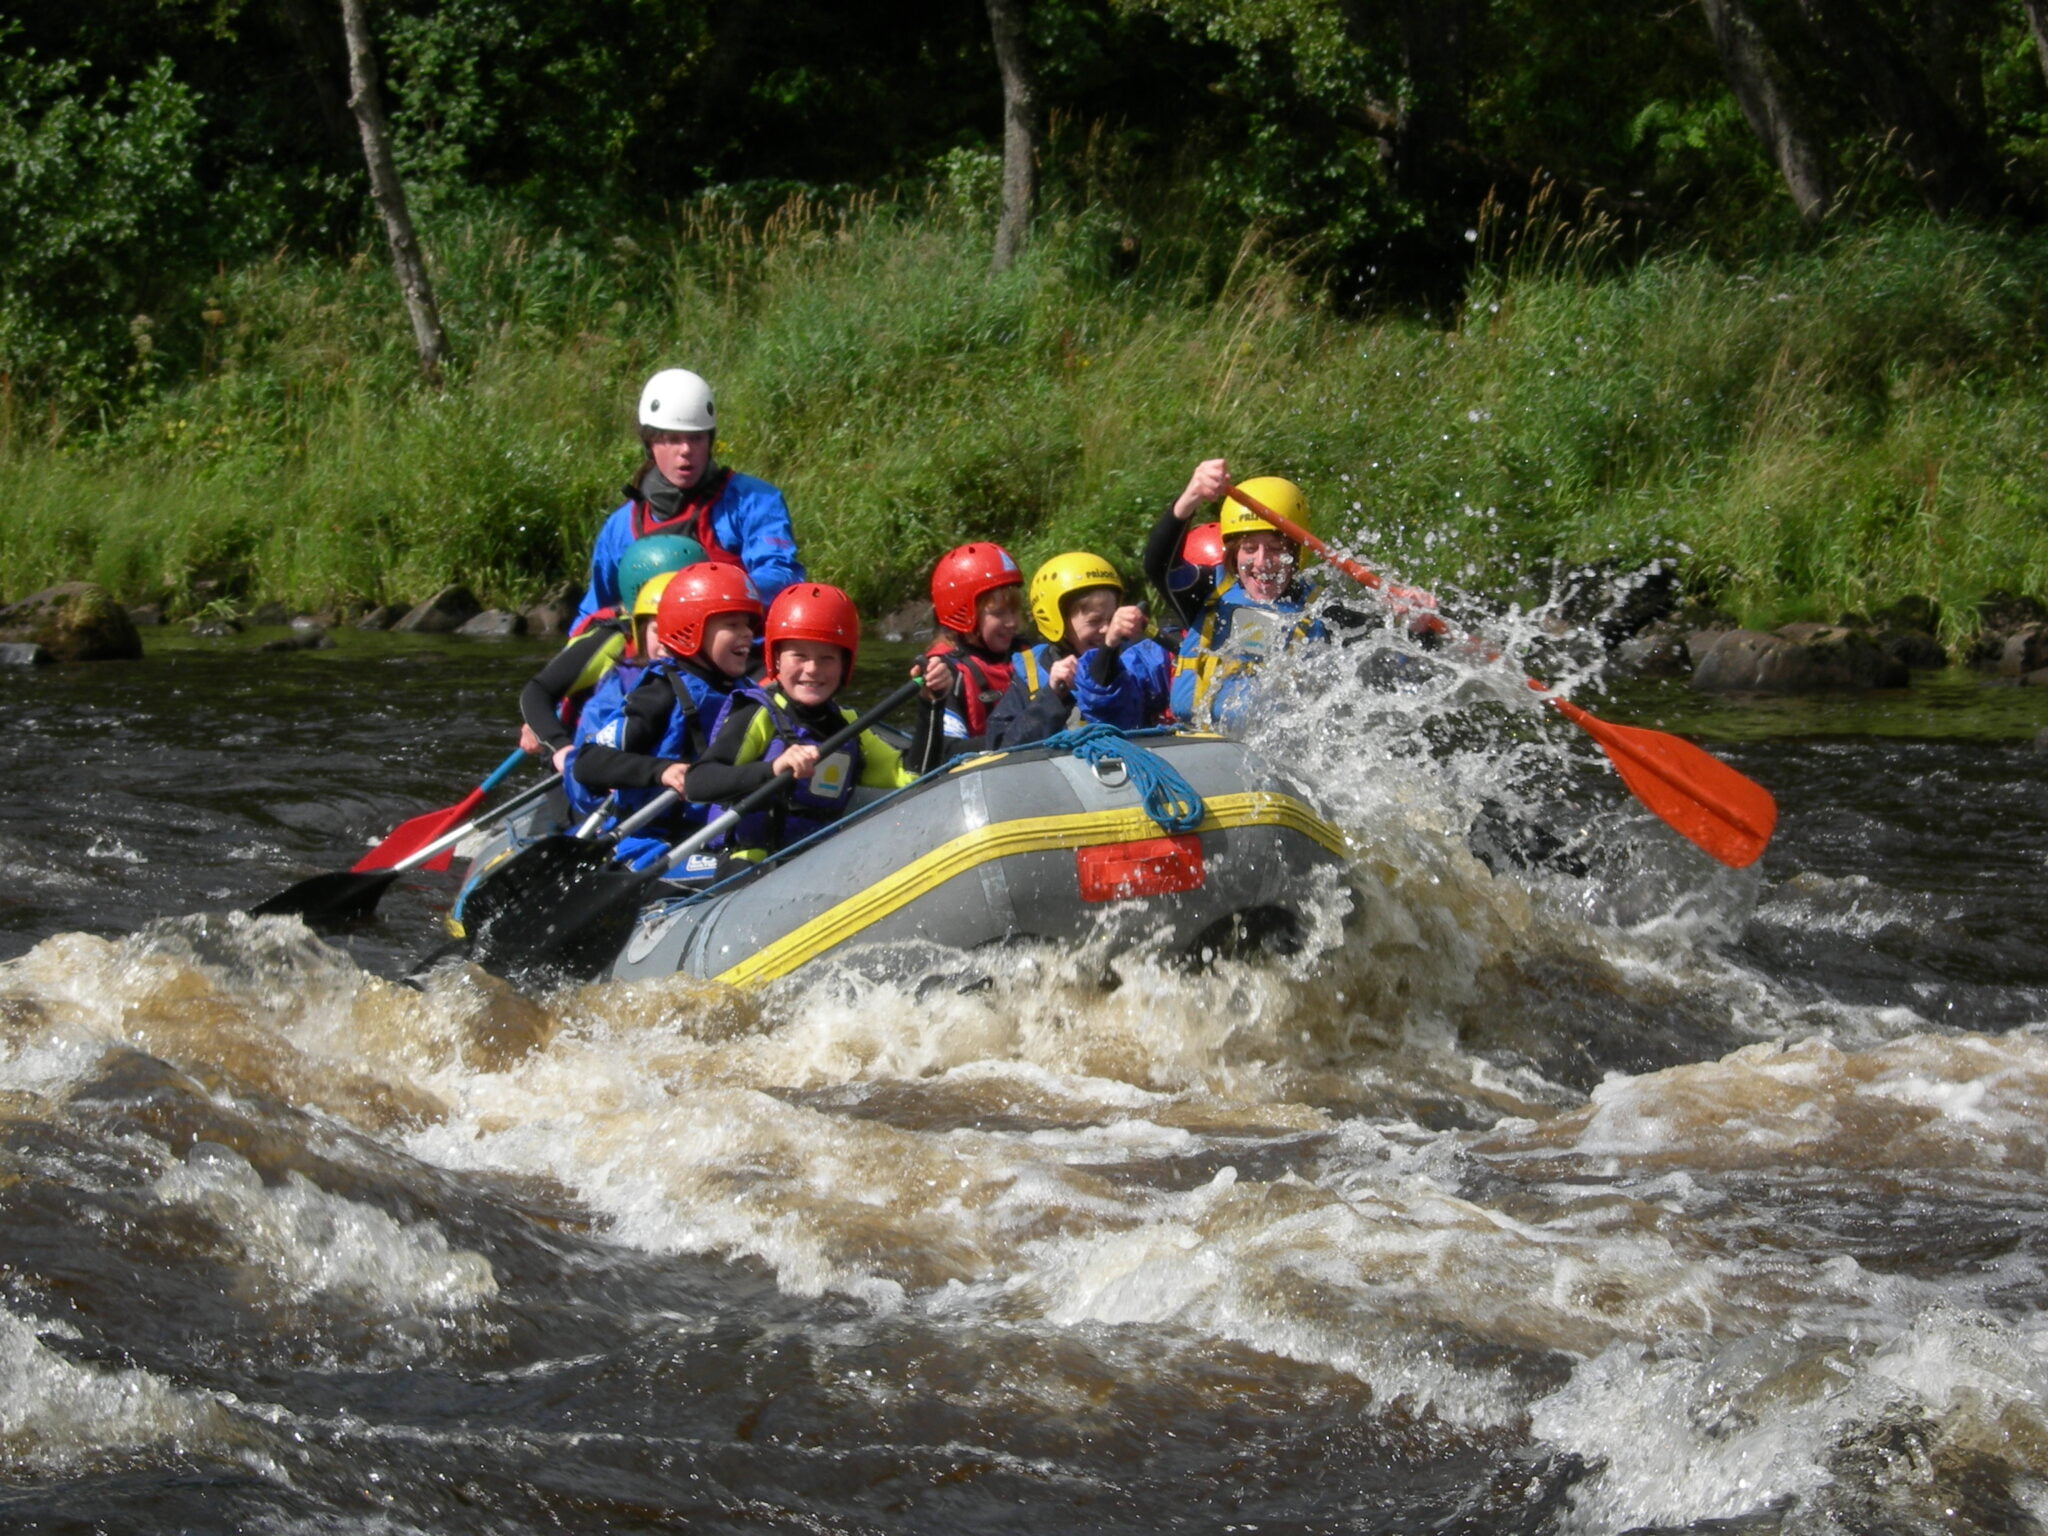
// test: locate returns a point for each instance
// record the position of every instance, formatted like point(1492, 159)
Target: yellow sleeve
point(754, 745)
point(881, 765)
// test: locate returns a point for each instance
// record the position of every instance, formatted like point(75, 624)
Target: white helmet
point(677, 400)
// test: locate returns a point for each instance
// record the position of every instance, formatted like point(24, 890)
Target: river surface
point(1665, 1198)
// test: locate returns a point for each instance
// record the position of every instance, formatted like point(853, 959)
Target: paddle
point(1725, 813)
point(570, 915)
point(548, 863)
point(346, 893)
point(409, 837)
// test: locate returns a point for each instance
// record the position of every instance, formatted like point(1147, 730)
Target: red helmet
point(809, 611)
point(1203, 545)
point(697, 594)
point(962, 575)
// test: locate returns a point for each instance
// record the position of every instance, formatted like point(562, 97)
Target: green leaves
point(98, 196)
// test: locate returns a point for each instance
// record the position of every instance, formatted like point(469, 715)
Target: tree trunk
point(1020, 129)
point(406, 260)
point(2037, 23)
point(1952, 166)
point(1772, 110)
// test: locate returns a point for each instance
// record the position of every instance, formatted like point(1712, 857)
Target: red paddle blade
point(1725, 813)
point(409, 836)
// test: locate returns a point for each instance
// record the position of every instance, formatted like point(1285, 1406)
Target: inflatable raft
point(1031, 844)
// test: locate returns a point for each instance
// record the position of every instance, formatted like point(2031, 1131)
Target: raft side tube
point(1028, 844)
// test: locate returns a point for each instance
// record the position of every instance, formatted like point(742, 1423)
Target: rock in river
point(74, 621)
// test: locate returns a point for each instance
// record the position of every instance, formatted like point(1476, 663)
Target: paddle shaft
point(341, 894)
point(1686, 780)
point(454, 835)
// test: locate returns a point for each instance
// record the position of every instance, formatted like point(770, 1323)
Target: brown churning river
point(1670, 1198)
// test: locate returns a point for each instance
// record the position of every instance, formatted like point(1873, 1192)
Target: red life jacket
point(595, 616)
point(984, 678)
point(692, 516)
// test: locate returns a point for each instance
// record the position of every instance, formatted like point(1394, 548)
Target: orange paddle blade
point(408, 836)
point(1723, 812)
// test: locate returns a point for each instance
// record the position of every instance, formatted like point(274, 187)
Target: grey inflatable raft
point(1030, 844)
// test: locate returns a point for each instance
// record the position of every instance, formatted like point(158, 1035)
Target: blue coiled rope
point(1169, 799)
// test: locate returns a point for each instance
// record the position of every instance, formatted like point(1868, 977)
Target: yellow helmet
point(1059, 578)
point(1283, 496)
point(648, 598)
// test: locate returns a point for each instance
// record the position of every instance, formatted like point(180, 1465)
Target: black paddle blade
point(574, 937)
point(549, 909)
point(334, 897)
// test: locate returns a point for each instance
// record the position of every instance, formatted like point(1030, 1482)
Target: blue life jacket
point(602, 719)
point(1220, 657)
point(700, 704)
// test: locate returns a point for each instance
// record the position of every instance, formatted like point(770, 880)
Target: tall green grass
point(1829, 429)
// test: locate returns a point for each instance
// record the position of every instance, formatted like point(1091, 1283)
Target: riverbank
point(1831, 430)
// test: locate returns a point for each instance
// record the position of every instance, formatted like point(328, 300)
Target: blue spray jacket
point(749, 519)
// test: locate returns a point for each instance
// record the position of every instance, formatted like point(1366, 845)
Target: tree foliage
point(153, 142)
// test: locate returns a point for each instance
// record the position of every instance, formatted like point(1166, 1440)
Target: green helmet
point(651, 556)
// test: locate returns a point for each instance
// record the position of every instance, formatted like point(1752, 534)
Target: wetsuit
point(756, 728)
point(554, 696)
point(1126, 687)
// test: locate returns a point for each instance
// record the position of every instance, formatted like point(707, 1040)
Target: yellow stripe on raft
point(1254, 808)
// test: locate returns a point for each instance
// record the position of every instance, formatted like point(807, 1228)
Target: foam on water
point(304, 1244)
point(56, 1414)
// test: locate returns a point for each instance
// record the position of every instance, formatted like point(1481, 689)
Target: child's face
point(809, 671)
point(996, 618)
point(729, 642)
point(1265, 566)
point(645, 642)
point(1088, 615)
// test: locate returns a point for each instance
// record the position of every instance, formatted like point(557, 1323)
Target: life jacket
point(594, 617)
point(1234, 636)
point(814, 802)
point(983, 679)
point(692, 516)
point(601, 720)
point(1034, 665)
point(700, 703)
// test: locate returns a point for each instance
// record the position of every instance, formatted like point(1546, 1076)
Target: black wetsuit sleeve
point(717, 775)
point(1102, 665)
point(1020, 719)
point(1162, 553)
point(541, 699)
point(632, 765)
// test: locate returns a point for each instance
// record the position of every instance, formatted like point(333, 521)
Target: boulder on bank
point(1657, 650)
point(555, 611)
point(911, 621)
point(383, 616)
point(443, 613)
point(73, 621)
point(314, 639)
point(493, 624)
point(2000, 616)
point(1799, 658)
point(2025, 650)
